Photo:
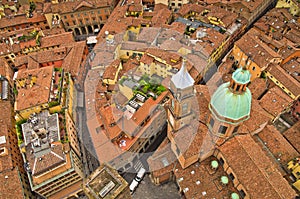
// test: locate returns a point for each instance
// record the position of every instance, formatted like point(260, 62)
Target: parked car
point(133, 185)
point(139, 176)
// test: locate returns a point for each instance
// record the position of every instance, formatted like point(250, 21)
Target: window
point(222, 129)
point(235, 129)
point(253, 68)
point(72, 16)
point(242, 193)
point(221, 161)
point(211, 122)
point(185, 108)
point(231, 176)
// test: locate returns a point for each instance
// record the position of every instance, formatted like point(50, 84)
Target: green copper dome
point(241, 76)
point(229, 106)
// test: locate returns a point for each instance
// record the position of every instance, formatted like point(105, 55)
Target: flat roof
point(105, 182)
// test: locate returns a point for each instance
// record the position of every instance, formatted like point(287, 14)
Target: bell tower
point(180, 108)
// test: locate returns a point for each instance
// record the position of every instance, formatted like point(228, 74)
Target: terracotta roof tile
point(194, 139)
point(48, 161)
point(73, 6)
point(286, 79)
point(129, 65)
point(110, 117)
point(22, 19)
point(201, 181)
point(162, 156)
point(258, 118)
point(186, 8)
point(161, 17)
point(260, 53)
point(27, 95)
point(6, 161)
point(250, 165)
point(164, 55)
point(281, 149)
point(10, 186)
point(275, 101)
point(147, 107)
point(293, 67)
point(293, 135)
point(257, 87)
point(111, 70)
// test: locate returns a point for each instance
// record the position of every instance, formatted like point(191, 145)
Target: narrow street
point(146, 190)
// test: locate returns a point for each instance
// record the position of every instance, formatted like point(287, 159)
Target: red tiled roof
point(281, 149)
point(293, 135)
point(186, 8)
point(27, 96)
point(258, 118)
point(194, 139)
point(163, 155)
point(200, 181)
point(110, 116)
point(22, 19)
point(73, 6)
point(111, 70)
point(286, 79)
point(275, 101)
point(50, 160)
point(255, 171)
point(164, 55)
point(10, 186)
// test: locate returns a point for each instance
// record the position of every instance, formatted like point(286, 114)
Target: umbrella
point(224, 179)
point(235, 196)
point(214, 164)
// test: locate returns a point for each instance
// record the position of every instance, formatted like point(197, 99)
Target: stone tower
point(182, 89)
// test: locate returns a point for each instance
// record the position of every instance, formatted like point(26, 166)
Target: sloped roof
point(255, 171)
point(182, 79)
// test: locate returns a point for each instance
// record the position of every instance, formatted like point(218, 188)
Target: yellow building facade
point(241, 58)
point(293, 6)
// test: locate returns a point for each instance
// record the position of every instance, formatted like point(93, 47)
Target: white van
point(133, 186)
point(139, 176)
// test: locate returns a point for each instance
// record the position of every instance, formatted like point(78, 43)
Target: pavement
point(147, 190)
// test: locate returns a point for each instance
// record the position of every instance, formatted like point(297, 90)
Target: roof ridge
point(58, 156)
point(254, 161)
